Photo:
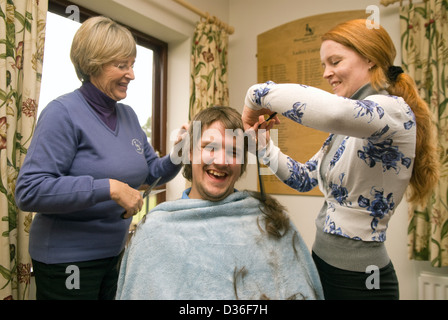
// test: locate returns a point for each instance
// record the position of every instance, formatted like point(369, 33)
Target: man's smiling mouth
point(216, 174)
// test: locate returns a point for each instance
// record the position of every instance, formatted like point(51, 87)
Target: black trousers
point(341, 284)
point(86, 280)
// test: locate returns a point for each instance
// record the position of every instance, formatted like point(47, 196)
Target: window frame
point(160, 71)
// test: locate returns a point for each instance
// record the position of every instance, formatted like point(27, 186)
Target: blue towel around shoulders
point(193, 249)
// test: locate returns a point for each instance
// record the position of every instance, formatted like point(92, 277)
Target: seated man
point(216, 242)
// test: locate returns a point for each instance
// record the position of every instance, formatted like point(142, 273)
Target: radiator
point(432, 286)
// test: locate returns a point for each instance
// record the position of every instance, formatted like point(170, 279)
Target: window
point(146, 93)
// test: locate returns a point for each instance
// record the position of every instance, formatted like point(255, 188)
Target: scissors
point(148, 192)
point(270, 118)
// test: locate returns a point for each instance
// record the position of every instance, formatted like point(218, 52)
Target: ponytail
point(425, 174)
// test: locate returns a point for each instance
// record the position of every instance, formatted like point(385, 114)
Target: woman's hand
point(250, 117)
point(182, 133)
point(262, 137)
point(130, 199)
point(178, 154)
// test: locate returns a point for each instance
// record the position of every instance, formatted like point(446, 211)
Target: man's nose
point(219, 157)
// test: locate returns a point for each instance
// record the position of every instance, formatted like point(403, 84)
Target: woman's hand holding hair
point(250, 116)
point(262, 138)
point(182, 133)
point(130, 199)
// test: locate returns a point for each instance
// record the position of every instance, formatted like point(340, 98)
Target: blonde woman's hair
point(97, 42)
point(376, 45)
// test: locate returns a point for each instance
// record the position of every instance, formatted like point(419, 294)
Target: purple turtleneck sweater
point(103, 105)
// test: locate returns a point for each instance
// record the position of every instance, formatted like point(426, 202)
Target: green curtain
point(424, 37)
point(22, 37)
point(208, 83)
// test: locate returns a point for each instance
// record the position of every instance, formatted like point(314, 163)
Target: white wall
point(174, 24)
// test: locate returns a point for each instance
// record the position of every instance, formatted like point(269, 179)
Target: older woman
point(87, 158)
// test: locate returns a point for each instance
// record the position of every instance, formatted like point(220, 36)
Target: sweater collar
point(101, 103)
point(365, 91)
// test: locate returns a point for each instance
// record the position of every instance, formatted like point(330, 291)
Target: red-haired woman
point(382, 141)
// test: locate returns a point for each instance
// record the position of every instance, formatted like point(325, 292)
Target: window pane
point(58, 73)
point(139, 94)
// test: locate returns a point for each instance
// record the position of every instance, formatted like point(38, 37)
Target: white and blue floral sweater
point(366, 178)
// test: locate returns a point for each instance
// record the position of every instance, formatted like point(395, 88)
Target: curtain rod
point(388, 2)
point(211, 19)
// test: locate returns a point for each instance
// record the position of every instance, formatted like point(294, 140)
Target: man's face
point(214, 175)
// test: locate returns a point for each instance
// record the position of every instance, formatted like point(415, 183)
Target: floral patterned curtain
point(22, 36)
point(208, 67)
point(424, 36)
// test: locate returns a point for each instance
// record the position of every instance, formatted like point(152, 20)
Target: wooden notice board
point(290, 53)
